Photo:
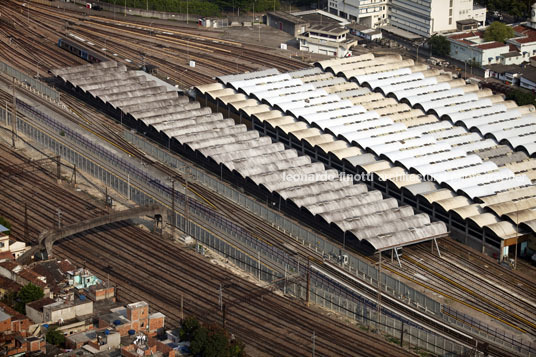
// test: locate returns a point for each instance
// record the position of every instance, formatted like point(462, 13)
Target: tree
point(55, 337)
point(439, 45)
point(27, 293)
point(199, 341)
point(521, 97)
point(5, 223)
point(188, 328)
point(499, 32)
point(217, 343)
point(516, 8)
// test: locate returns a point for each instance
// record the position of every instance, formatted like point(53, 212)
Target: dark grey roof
point(511, 54)
point(529, 73)
point(467, 22)
point(287, 17)
point(501, 68)
point(335, 29)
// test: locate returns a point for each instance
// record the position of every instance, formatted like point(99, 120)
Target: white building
point(426, 17)
point(369, 13)
point(10, 245)
point(327, 40)
point(471, 46)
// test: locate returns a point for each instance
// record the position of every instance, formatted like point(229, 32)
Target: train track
point(37, 29)
point(107, 130)
point(133, 257)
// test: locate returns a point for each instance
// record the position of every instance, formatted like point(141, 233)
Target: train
point(80, 51)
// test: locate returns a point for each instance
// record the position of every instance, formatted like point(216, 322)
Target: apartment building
point(422, 17)
point(369, 13)
point(426, 17)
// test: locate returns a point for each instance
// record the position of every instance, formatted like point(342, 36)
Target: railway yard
point(484, 307)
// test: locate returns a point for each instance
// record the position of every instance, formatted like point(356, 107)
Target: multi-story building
point(370, 13)
point(470, 46)
point(426, 17)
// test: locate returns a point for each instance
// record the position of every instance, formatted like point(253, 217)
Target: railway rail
point(256, 225)
point(268, 322)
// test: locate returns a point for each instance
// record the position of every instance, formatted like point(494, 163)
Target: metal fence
point(355, 266)
point(29, 81)
point(331, 251)
point(228, 239)
point(508, 340)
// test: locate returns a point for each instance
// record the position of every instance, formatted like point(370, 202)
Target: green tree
point(5, 223)
point(521, 97)
point(499, 32)
point(217, 343)
point(188, 328)
point(516, 8)
point(55, 337)
point(199, 341)
point(27, 293)
point(439, 45)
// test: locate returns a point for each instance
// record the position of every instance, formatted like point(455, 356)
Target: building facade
point(369, 13)
point(327, 40)
point(471, 47)
point(426, 17)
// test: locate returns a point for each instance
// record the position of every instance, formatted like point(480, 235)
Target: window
point(450, 3)
point(450, 20)
point(450, 12)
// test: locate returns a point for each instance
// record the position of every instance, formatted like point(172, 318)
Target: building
point(12, 246)
point(8, 288)
point(17, 322)
point(148, 346)
point(471, 47)
point(527, 79)
point(365, 32)
point(99, 340)
point(426, 17)
point(327, 40)
point(82, 278)
point(286, 22)
point(15, 336)
point(369, 13)
point(508, 74)
point(47, 310)
point(134, 317)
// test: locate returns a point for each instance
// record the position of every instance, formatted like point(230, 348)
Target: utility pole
point(58, 168)
point(220, 297)
point(14, 117)
point(182, 307)
point(379, 291)
point(314, 342)
point(186, 11)
point(25, 221)
point(73, 179)
point(173, 215)
point(307, 293)
point(223, 316)
point(59, 218)
point(517, 235)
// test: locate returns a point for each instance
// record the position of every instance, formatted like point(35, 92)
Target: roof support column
point(437, 247)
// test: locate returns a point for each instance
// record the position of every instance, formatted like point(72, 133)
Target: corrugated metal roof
point(456, 142)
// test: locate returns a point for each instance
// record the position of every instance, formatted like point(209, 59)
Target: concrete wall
point(430, 16)
point(528, 84)
point(34, 315)
point(54, 313)
point(366, 12)
point(286, 26)
point(468, 53)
